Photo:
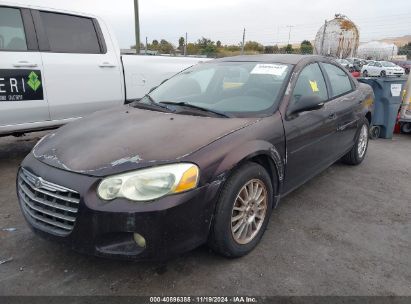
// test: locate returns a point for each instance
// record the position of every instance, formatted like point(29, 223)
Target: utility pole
point(278, 35)
point(185, 46)
point(137, 25)
point(146, 46)
point(323, 39)
point(242, 46)
point(289, 32)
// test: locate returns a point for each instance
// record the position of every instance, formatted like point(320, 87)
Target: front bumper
point(395, 73)
point(170, 225)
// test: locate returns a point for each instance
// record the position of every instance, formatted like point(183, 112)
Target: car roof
point(277, 58)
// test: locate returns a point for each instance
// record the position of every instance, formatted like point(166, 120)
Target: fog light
point(138, 238)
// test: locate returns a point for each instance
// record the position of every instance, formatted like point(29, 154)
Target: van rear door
point(22, 98)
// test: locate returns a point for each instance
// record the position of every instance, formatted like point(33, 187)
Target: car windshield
point(387, 64)
point(240, 89)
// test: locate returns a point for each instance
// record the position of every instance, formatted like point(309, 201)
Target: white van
point(58, 66)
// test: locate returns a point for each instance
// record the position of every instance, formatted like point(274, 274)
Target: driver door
point(308, 134)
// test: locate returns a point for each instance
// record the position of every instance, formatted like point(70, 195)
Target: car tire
point(365, 73)
point(359, 150)
point(375, 132)
point(406, 128)
point(383, 74)
point(225, 235)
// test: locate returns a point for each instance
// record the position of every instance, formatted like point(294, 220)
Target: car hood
point(117, 140)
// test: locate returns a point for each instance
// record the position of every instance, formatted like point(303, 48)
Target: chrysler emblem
point(38, 183)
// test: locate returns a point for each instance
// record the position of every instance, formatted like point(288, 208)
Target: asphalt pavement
point(345, 232)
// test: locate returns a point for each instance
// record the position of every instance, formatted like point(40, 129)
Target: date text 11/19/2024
point(204, 299)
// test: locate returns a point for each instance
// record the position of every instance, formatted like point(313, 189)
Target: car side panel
point(263, 138)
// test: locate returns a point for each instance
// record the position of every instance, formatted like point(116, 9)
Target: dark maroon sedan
point(204, 157)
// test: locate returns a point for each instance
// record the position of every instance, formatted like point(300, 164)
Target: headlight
point(150, 184)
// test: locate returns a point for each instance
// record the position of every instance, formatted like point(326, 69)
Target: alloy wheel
point(249, 211)
point(362, 141)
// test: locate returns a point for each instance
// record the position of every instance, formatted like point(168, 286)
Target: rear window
point(12, 35)
point(70, 34)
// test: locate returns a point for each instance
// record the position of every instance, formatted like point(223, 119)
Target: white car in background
point(382, 68)
point(345, 63)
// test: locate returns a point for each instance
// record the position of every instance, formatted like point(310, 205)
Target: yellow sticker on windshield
point(314, 86)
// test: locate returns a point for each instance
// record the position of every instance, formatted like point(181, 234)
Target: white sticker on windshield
point(269, 69)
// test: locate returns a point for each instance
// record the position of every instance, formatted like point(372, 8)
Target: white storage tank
point(338, 38)
point(376, 50)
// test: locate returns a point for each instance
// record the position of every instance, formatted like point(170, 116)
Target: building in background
point(376, 50)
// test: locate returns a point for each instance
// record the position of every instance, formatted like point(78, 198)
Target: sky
point(265, 21)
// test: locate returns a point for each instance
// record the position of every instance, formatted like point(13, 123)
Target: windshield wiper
point(189, 105)
point(151, 104)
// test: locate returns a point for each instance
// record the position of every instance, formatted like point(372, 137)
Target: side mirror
point(306, 103)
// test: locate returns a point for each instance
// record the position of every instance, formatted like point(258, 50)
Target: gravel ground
point(346, 232)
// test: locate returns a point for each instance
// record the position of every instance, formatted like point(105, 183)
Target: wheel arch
point(368, 116)
point(264, 154)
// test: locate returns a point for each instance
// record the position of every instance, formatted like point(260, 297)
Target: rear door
point(22, 98)
point(345, 103)
point(82, 71)
point(308, 134)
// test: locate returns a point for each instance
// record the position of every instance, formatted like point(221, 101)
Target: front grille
point(47, 206)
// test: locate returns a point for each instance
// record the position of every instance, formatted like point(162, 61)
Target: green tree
point(405, 50)
point(253, 46)
point(271, 49)
point(207, 46)
point(218, 43)
point(192, 49)
point(165, 47)
point(288, 49)
point(306, 47)
point(233, 48)
point(181, 43)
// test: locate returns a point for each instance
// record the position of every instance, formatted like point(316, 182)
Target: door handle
point(25, 64)
point(107, 65)
point(332, 116)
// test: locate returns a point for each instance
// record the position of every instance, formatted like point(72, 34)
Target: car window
point(70, 34)
point(371, 64)
point(388, 64)
point(12, 35)
point(310, 82)
point(340, 82)
point(377, 64)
